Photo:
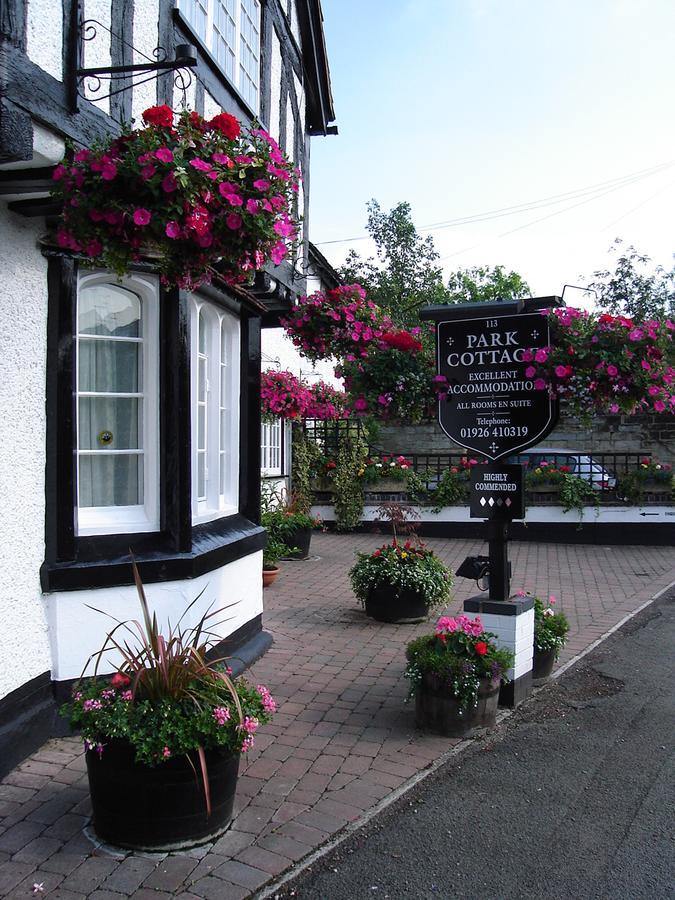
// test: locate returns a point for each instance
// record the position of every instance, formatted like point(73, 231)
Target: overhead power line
point(594, 190)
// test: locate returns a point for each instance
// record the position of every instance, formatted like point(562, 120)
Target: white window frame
point(208, 36)
point(142, 517)
point(271, 448)
point(222, 409)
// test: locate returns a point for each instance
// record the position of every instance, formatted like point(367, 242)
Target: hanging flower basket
point(198, 197)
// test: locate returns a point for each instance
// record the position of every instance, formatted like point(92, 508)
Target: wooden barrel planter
point(159, 808)
point(542, 664)
point(300, 540)
point(437, 710)
point(396, 607)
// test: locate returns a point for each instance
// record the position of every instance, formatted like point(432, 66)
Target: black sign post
point(494, 407)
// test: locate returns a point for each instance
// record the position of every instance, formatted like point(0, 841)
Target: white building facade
point(113, 443)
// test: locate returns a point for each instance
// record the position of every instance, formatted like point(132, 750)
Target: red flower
point(402, 340)
point(119, 680)
point(227, 124)
point(159, 115)
point(481, 648)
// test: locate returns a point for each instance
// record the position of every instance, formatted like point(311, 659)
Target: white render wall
point(279, 353)
point(44, 46)
point(146, 38)
point(24, 647)
point(235, 590)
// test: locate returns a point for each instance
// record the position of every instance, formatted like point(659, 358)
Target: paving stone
point(129, 874)
point(90, 874)
point(259, 858)
point(16, 837)
point(284, 846)
point(13, 873)
point(15, 793)
point(232, 842)
point(216, 889)
point(242, 874)
point(67, 826)
point(170, 873)
point(38, 850)
point(49, 881)
point(206, 867)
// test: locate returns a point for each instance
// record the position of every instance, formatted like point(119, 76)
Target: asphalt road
point(573, 798)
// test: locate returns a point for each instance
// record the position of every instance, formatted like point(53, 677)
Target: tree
point(483, 284)
point(404, 276)
point(632, 289)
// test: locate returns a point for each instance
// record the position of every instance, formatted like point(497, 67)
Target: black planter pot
point(300, 538)
point(542, 664)
point(397, 607)
point(438, 711)
point(163, 807)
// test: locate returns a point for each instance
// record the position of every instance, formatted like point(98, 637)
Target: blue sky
point(463, 107)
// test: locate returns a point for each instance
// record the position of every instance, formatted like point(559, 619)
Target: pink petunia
point(201, 165)
point(163, 154)
point(278, 253)
point(233, 221)
point(142, 216)
point(169, 183)
point(172, 230)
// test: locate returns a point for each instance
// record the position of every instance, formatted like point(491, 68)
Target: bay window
point(215, 410)
point(117, 405)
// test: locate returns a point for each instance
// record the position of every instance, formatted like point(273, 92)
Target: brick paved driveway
point(342, 741)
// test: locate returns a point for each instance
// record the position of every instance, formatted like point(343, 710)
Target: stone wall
point(649, 434)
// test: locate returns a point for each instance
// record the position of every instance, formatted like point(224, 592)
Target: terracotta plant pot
point(437, 710)
point(268, 575)
point(542, 664)
point(386, 604)
point(159, 807)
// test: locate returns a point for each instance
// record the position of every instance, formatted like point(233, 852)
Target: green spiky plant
point(169, 696)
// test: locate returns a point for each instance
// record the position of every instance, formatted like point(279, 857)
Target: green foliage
point(402, 567)
point(305, 467)
point(405, 274)
point(348, 501)
point(633, 289)
point(632, 485)
point(483, 284)
point(576, 492)
point(550, 628)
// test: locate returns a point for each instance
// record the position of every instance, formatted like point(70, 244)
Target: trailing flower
point(607, 364)
point(386, 466)
point(284, 395)
point(402, 567)
point(204, 196)
point(340, 323)
point(456, 658)
point(650, 473)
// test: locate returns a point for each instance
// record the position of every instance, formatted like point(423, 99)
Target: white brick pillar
point(512, 621)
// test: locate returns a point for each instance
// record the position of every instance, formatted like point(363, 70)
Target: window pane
point(201, 475)
point(105, 365)
point(195, 13)
point(109, 423)
point(110, 480)
point(109, 310)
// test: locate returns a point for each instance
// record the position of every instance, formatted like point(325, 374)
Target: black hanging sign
point(496, 492)
point(492, 406)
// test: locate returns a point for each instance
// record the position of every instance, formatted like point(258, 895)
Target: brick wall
point(650, 434)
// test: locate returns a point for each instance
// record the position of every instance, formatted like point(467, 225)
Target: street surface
point(574, 797)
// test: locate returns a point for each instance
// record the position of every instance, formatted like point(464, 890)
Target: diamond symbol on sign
point(491, 502)
point(499, 501)
point(507, 502)
point(483, 501)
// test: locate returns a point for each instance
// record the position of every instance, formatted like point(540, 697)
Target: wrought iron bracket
point(90, 83)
